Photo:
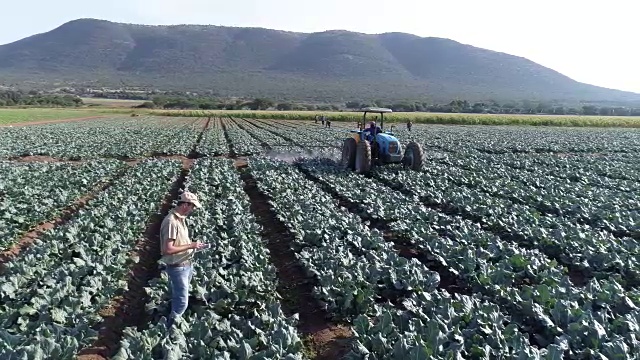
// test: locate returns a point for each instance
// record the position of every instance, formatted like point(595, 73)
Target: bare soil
point(448, 280)
point(327, 340)
point(41, 158)
point(129, 310)
point(65, 215)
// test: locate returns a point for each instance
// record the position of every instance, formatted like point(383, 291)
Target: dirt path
point(129, 310)
point(326, 341)
point(449, 281)
point(578, 277)
point(65, 215)
point(27, 123)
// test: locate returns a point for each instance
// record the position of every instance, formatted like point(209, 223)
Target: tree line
point(493, 107)
point(207, 103)
point(34, 98)
point(455, 106)
point(190, 101)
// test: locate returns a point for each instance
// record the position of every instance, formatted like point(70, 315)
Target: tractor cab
point(370, 146)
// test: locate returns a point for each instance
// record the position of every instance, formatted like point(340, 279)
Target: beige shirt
point(174, 228)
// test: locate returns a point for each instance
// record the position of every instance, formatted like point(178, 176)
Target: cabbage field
point(511, 243)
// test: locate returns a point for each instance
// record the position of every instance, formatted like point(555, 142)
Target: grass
point(14, 116)
point(9, 116)
point(426, 118)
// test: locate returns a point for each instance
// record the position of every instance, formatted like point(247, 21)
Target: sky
point(591, 41)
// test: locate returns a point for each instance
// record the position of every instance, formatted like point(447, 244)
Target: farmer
point(373, 130)
point(177, 250)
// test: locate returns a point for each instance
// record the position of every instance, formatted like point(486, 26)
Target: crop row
point(354, 266)
point(213, 140)
point(524, 280)
point(305, 134)
point(573, 174)
point(34, 192)
point(243, 318)
point(500, 140)
point(562, 239)
point(243, 143)
point(51, 294)
point(612, 210)
point(611, 171)
point(116, 137)
point(261, 135)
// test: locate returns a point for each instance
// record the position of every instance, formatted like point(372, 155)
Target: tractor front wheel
point(413, 156)
point(348, 160)
point(363, 157)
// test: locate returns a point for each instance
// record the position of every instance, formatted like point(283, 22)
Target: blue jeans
point(179, 280)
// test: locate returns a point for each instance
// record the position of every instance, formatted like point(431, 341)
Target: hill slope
point(331, 65)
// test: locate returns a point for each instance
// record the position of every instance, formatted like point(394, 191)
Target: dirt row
point(129, 309)
point(449, 281)
point(324, 340)
point(64, 216)
point(578, 277)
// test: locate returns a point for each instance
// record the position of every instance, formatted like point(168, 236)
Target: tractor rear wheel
point(413, 156)
point(348, 160)
point(363, 157)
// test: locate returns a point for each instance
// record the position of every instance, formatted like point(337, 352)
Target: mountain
point(330, 65)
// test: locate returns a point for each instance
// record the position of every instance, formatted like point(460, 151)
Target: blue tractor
point(368, 147)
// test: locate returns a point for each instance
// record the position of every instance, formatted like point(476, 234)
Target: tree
point(353, 105)
point(146, 105)
point(478, 108)
point(284, 106)
point(260, 104)
point(589, 110)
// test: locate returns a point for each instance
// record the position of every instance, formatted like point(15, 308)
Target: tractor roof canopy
point(376, 110)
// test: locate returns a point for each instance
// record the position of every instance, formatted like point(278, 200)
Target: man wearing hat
point(177, 249)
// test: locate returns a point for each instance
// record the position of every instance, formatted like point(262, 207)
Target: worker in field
point(177, 251)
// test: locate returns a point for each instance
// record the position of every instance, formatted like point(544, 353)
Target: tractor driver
point(372, 130)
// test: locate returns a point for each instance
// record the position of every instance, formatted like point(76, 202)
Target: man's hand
point(197, 245)
point(171, 248)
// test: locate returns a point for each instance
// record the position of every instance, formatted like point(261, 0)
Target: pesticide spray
point(292, 156)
